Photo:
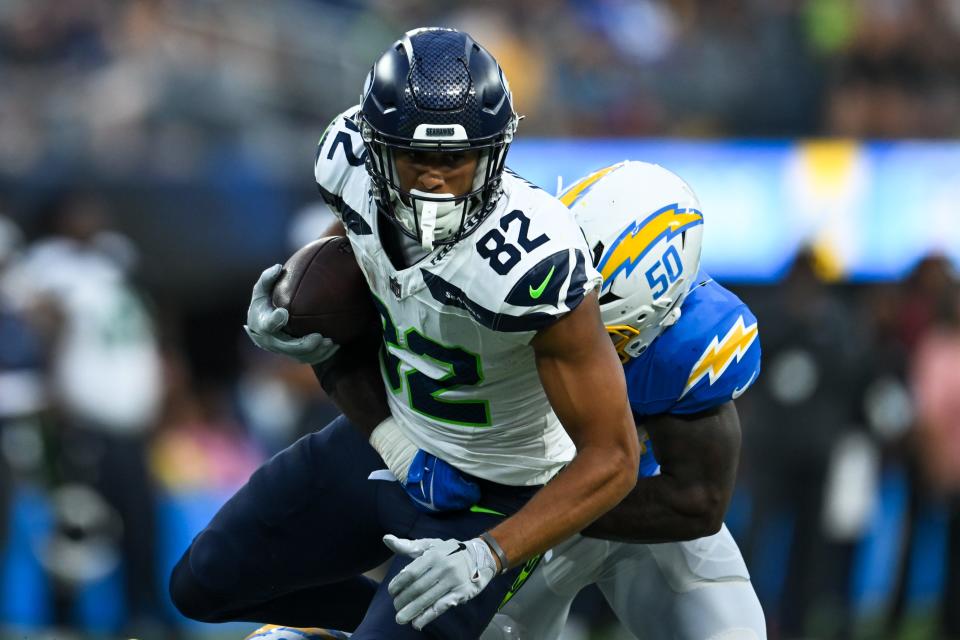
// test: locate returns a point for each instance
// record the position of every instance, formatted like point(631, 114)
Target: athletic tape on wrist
point(394, 447)
point(497, 550)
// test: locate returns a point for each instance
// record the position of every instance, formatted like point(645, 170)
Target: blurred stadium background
point(155, 157)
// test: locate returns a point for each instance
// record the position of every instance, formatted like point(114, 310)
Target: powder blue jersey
point(709, 357)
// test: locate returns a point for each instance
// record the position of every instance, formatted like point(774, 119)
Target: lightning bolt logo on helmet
point(638, 216)
point(720, 354)
point(581, 187)
point(636, 240)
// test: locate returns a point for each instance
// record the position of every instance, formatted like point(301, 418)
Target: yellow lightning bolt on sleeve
point(721, 353)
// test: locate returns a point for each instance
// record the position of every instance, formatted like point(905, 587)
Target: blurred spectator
point(801, 411)
point(885, 408)
point(281, 400)
point(895, 73)
point(22, 391)
point(936, 379)
point(926, 289)
point(936, 382)
point(105, 376)
point(165, 86)
point(200, 446)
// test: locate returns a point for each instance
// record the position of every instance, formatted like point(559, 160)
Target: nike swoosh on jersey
point(460, 547)
point(739, 391)
point(536, 293)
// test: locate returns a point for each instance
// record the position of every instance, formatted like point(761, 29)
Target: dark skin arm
point(583, 379)
point(698, 456)
point(352, 377)
point(352, 380)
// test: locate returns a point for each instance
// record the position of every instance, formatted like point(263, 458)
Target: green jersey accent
point(536, 293)
point(425, 394)
point(525, 574)
point(478, 509)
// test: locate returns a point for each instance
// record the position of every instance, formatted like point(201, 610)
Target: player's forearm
point(595, 481)
point(698, 457)
point(352, 380)
point(584, 383)
point(658, 509)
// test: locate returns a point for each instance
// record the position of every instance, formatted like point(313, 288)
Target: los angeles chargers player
point(494, 359)
point(689, 348)
point(662, 557)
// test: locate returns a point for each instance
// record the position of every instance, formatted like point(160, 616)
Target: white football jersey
point(458, 366)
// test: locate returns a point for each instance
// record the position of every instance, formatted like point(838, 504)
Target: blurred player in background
point(21, 370)
point(494, 355)
point(106, 382)
point(662, 558)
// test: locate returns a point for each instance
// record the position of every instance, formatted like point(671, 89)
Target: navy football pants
point(289, 547)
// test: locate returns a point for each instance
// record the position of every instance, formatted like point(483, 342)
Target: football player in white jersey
point(494, 359)
point(662, 558)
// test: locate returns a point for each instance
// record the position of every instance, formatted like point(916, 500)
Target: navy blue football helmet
point(436, 90)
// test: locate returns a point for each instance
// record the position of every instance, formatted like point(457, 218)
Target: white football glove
point(445, 573)
point(265, 323)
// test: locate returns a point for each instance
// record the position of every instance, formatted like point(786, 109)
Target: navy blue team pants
point(289, 547)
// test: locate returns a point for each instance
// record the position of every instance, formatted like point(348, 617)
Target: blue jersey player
point(662, 558)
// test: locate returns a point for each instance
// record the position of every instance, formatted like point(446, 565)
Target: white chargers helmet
point(645, 229)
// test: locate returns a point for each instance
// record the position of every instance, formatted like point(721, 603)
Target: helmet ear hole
point(597, 253)
point(635, 347)
point(608, 297)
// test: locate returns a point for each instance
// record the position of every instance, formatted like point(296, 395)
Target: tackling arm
point(584, 382)
point(698, 457)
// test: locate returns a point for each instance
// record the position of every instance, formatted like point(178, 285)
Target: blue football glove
point(431, 483)
point(435, 485)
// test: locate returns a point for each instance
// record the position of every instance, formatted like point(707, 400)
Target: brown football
point(325, 292)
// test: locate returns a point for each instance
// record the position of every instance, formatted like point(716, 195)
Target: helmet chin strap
point(430, 211)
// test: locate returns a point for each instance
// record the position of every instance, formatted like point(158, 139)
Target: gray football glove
point(265, 323)
point(444, 573)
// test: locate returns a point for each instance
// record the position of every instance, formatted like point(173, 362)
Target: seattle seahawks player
point(494, 360)
point(689, 347)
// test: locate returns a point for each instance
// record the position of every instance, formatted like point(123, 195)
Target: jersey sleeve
point(555, 274)
point(339, 153)
point(528, 267)
point(710, 357)
point(725, 369)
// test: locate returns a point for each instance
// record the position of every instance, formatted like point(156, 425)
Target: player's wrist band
point(497, 550)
